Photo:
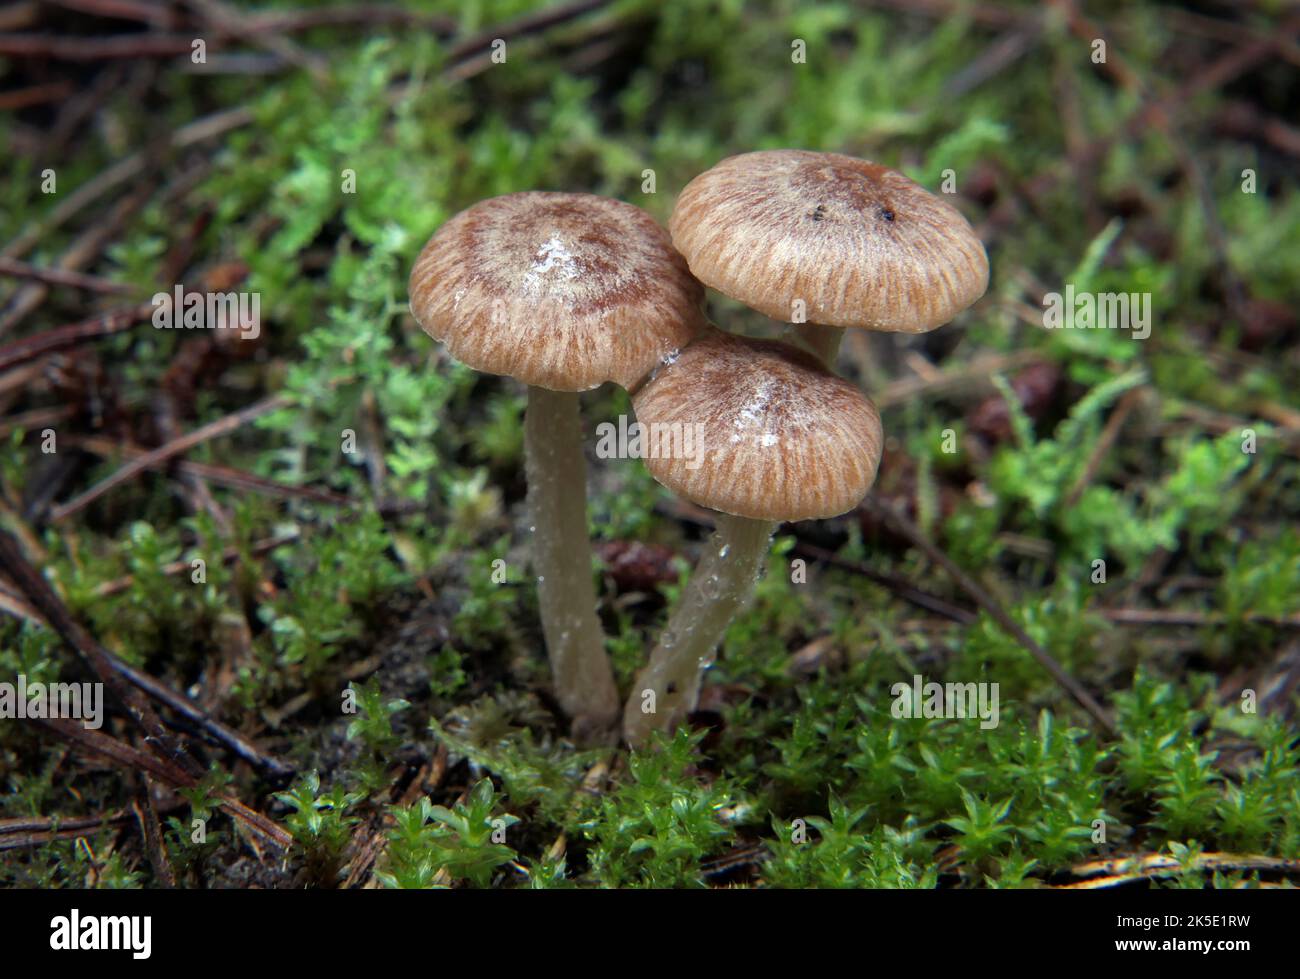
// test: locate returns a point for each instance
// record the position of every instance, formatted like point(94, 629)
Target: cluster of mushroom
point(566, 292)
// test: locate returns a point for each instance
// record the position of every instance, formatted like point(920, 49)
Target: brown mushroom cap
point(562, 291)
point(783, 438)
point(859, 243)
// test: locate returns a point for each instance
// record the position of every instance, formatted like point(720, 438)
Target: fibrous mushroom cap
point(562, 291)
point(860, 244)
point(782, 437)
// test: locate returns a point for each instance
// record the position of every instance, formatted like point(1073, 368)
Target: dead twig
point(1191, 618)
point(1104, 443)
point(986, 601)
point(166, 771)
point(976, 374)
point(232, 23)
point(24, 831)
point(228, 556)
point(37, 418)
point(199, 131)
point(1001, 54)
point(370, 838)
point(106, 324)
point(222, 426)
point(200, 495)
point(210, 726)
point(903, 589)
point(84, 250)
point(62, 277)
point(158, 15)
point(221, 475)
point(531, 23)
point(296, 21)
point(42, 596)
point(747, 856)
point(23, 98)
point(1122, 870)
point(154, 846)
point(63, 47)
point(472, 55)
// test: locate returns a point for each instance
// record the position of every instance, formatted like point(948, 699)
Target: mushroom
point(858, 244)
point(562, 292)
point(785, 439)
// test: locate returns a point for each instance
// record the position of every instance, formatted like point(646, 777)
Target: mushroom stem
point(723, 584)
point(824, 341)
point(557, 504)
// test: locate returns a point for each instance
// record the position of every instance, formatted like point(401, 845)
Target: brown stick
point(62, 277)
point(221, 475)
point(200, 494)
point(68, 48)
point(154, 846)
point(1108, 435)
point(106, 324)
point(186, 708)
point(532, 23)
point(22, 98)
point(230, 555)
point(132, 758)
point(153, 14)
point(43, 597)
point(228, 21)
point(1154, 112)
point(295, 21)
point(37, 418)
point(84, 251)
point(976, 374)
point(1120, 870)
point(994, 609)
point(25, 831)
point(1117, 67)
point(126, 169)
point(903, 589)
point(1003, 52)
point(222, 426)
point(1190, 618)
point(159, 691)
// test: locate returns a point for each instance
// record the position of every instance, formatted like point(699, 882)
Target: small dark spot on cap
point(818, 212)
point(887, 214)
point(672, 688)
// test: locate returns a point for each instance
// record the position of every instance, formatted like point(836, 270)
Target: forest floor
point(289, 538)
